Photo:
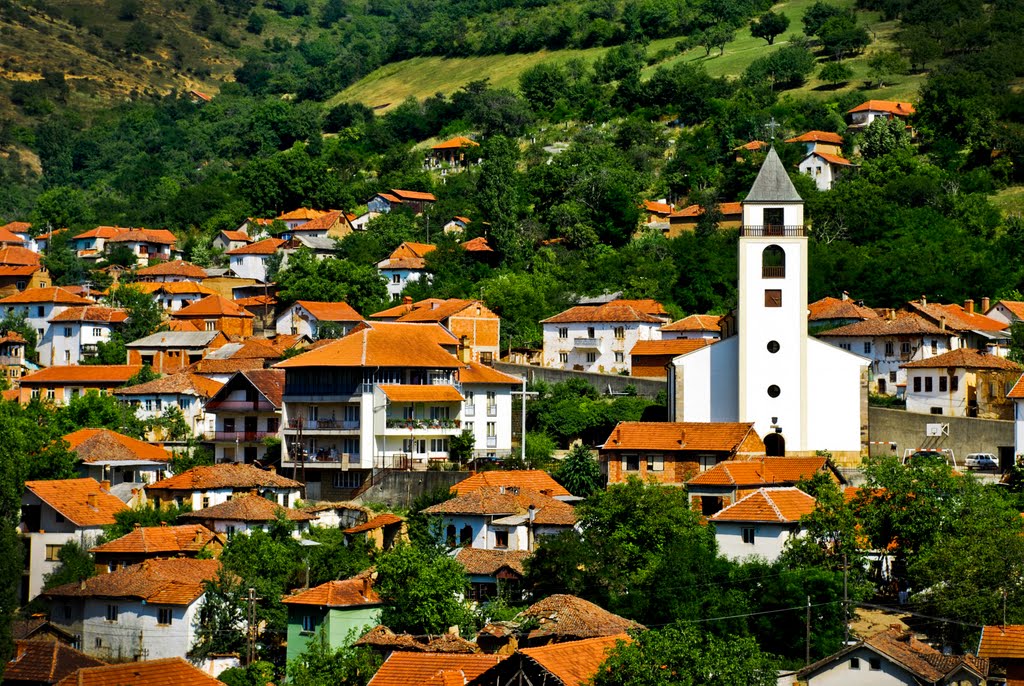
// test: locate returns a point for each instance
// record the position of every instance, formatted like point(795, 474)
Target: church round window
point(773, 346)
point(774, 391)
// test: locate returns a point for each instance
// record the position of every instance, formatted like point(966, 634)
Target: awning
point(422, 393)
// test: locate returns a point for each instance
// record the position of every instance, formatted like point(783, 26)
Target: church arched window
point(773, 262)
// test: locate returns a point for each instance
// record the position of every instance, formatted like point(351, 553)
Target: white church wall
point(709, 383)
point(835, 376)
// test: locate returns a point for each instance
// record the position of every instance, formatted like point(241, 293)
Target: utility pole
point(846, 606)
point(522, 438)
point(251, 628)
point(807, 634)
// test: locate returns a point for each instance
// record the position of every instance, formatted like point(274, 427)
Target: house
point(39, 305)
point(895, 656)
point(382, 531)
point(524, 479)
point(305, 316)
point(216, 313)
point(457, 225)
point(487, 409)
point(673, 452)
point(255, 227)
point(43, 240)
point(597, 338)
point(1016, 394)
point(248, 512)
point(572, 664)
point(360, 222)
point(248, 412)
point(111, 457)
point(20, 268)
point(567, 619)
point(172, 271)
point(819, 141)
point(727, 482)
point(298, 217)
point(493, 573)
point(657, 211)
point(761, 523)
point(480, 249)
point(76, 332)
point(174, 295)
point(1004, 646)
point(829, 312)
point(56, 512)
point(221, 370)
point(231, 240)
point(700, 326)
point(167, 352)
point(14, 234)
point(203, 487)
point(1008, 311)
point(250, 261)
point(687, 218)
point(223, 282)
point(330, 224)
point(825, 168)
point(405, 264)
point(43, 663)
point(340, 515)
point(147, 673)
point(469, 321)
point(36, 627)
point(336, 608)
point(650, 358)
point(149, 542)
point(385, 641)
point(91, 244)
point(962, 383)
point(12, 358)
point(416, 201)
point(146, 610)
point(183, 390)
point(889, 342)
point(60, 384)
point(146, 244)
point(863, 114)
point(454, 152)
point(409, 668)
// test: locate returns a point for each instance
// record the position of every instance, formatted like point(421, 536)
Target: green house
point(339, 608)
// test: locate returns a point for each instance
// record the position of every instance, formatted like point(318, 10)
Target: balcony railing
point(325, 456)
point(413, 424)
point(322, 424)
point(773, 230)
point(240, 406)
point(586, 342)
point(773, 272)
point(239, 436)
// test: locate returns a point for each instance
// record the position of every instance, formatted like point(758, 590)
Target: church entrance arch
point(775, 445)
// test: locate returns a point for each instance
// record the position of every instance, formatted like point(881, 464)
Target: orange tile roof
point(817, 137)
point(490, 500)
point(11, 395)
point(228, 366)
point(413, 195)
point(169, 540)
point(657, 207)
point(94, 445)
point(478, 244)
point(490, 562)
point(609, 312)
point(84, 374)
point(228, 475)
point(764, 471)
point(784, 505)
point(457, 142)
point(728, 209)
point(695, 322)
point(346, 593)
point(838, 308)
point(410, 249)
point(331, 312)
point(424, 393)
point(101, 232)
point(82, 501)
point(476, 373)
point(752, 146)
point(11, 272)
point(965, 358)
point(323, 222)
point(18, 256)
point(903, 325)
point(247, 507)
point(382, 637)
point(569, 617)
point(12, 337)
point(575, 662)
point(172, 671)
point(529, 479)
point(91, 313)
point(1018, 389)
point(402, 308)
point(257, 301)
point(832, 159)
point(1002, 642)
point(901, 109)
point(403, 668)
point(300, 213)
point(268, 246)
point(956, 317)
point(644, 305)
point(173, 287)
point(378, 522)
point(703, 436)
point(382, 344)
point(7, 236)
point(213, 306)
point(186, 325)
point(1015, 307)
point(162, 236)
point(269, 382)
point(182, 383)
point(52, 294)
point(18, 227)
point(437, 310)
point(174, 268)
point(237, 236)
point(674, 346)
point(45, 662)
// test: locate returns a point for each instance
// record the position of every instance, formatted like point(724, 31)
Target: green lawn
point(422, 77)
point(1010, 200)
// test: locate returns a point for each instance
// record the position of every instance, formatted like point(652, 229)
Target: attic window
point(854, 663)
point(875, 663)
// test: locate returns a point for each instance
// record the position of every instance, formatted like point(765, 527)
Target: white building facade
point(578, 339)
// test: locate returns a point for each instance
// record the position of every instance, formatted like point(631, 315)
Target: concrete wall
point(604, 383)
point(399, 489)
point(966, 435)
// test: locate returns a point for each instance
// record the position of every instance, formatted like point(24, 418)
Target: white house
point(247, 412)
point(405, 264)
point(250, 261)
point(304, 317)
point(123, 461)
point(55, 512)
point(92, 243)
point(962, 383)
point(863, 114)
point(802, 395)
point(75, 333)
point(231, 240)
point(760, 524)
point(705, 326)
point(203, 487)
point(1016, 394)
point(18, 234)
point(145, 611)
point(185, 391)
point(39, 305)
point(598, 338)
point(248, 512)
point(487, 408)
point(1007, 311)
point(457, 224)
point(146, 244)
point(824, 168)
point(172, 271)
point(819, 141)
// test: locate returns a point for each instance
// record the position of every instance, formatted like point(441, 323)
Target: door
point(251, 426)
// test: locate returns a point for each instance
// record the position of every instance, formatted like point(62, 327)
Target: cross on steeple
point(772, 126)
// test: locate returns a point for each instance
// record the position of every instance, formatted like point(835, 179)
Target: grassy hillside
point(424, 76)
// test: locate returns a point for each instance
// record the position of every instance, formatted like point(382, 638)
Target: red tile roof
point(233, 236)
point(492, 501)
point(965, 358)
point(383, 344)
point(175, 268)
point(173, 581)
point(817, 137)
point(101, 232)
point(82, 501)
point(609, 312)
point(838, 308)
point(247, 507)
point(322, 223)
point(753, 146)
point(476, 373)
point(229, 475)
point(378, 522)
point(409, 393)
point(269, 382)
point(18, 256)
point(52, 294)
point(173, 287)
point(901, 109)
point(12, 272)
point(478, 244)
point(1018, 389)
point(695, 322)
point(268, 246)
point(674, 346)
point(7, 236)
point(528, 479)
point(161, 236)
point(384, 638)
point(669, 436)
point(457, 142)
point(575, 662)
point(657, 207)
point(832, 159)
point(45, 662)
point(172, 671)
point(567, 617)
point(438, 310)
point(1002, 642)
point(213, 306)
point(300, 213)
point(331, 312)
point(92, 445)
point(91, 313)
point(903, 325)
point(182, 383)
point(413, 195)
point(489, 562)
point(728, 209)
point(83, 374)
point(783, 505)
point(228, 366)
point(956, 317)
point(151, 540)
point(765, 471)
point(404, 668)
point(347, 593)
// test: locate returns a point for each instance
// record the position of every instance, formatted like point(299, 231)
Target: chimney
point(136, 526)
point(105, 485)
point(92, 500)
point(407, 300)
point(985, 303)
point(942, 322)
point(845, 296)
point(924, 300)
point(969, 306)
point(465, 350)
point(891, 313)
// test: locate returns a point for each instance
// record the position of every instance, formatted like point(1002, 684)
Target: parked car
point(929, 456)
point(981, 461)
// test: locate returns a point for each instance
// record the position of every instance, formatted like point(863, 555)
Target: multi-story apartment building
point(75, 333)
point(598, 338)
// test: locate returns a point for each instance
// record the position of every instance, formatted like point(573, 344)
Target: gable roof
point(225, 475)
point(403, 668)
point(378, 522)
point(331, 312)
point(437, 311)
point(51, 294)
point(170, 540)
point(82, 501)
point(213, 306)
point(404, 307)
point(816, 136)
point(8, 236)
point(900, 109)
point(726, 208)
point(831, 159)
point(269, 382)
point(611, 312)
point(100, 232)
point(160, 581)
point(772, 183)
point(489, 562)
point(672, 346)
point(574, 663)
point(670, 436)
point(478, 244)
point(209, 365)
point(91, 313)
point(506, 502)
point(695, 322)
point(304, 213)
point(456, 142)
point(476, 373)
point(531, 479)
point(325, 221)
point(268, 246)
point(903, 325)
point(173, 287)
point(763, 471)
point(956, 317)
point(782, 505)
point(965, 358)
point(569, 618)
point(175, 268)
point(241, 236)
point(838, 308)
point(104, 445)
point(353, 592)
point(172, 671)
point(657, 207)
point(383, 344)
point(85, 374)
point(248, 507)
point(169, 340)
point(162, 236)
point(45, 662)
point(413, 195)
point(15, 255)
point(1002, 642)
point(181, 383)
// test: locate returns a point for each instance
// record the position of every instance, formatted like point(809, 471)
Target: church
point(801, 394)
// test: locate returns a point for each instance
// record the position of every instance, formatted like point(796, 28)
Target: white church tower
point(772, 317)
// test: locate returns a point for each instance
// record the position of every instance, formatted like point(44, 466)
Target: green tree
point(144, 312)
point(220, 623)
point(579, 472)
point(499, 197)
point(835, 73)
point(331, 280)
point(1017, 342)
point(255, 23)
point(334, 558)
point(193, 454)
point(202, 20)
point(15, 321)
point(816, 16)
point(886, 63)
point(769, 25)
point(460, 447)
point(884, 137)
point(76, 564)
point(319, 665)
point(421, 589)
point(15, 439)
point(831, 530)
point(144, 375)
point(92, 410)
point(840, 36)
point(332, 12)
point(125, 521)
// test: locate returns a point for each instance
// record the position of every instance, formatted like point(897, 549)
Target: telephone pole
point(251, 628)
point(846, 606)
point(807, 634)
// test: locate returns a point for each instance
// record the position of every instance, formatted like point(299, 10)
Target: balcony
point(325, 460)
point(322, 425)
point(768, 272)
point(240, 406)
point(423, 424)
point(765, 230)
point(594, 343)
point(238, 436)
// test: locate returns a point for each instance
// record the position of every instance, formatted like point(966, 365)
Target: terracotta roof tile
point(173, 287)
point(489, 562)
point(103, 374)
point(642, 305)
point(241, 236)
point(229, 475)
point(784, 505)
point(753, 146)
point(476, 373)
point(409, 393)
point(300, 213)
point(347, 593)
point(765, 471)
point(257, 301)
point(91, 313)
point(956, 317)
point(576, 662)
point(269, 382)
point(213, 306)
point(905, 649)
point(492, 501)
point(18, 256)
point(728, 209)
point(405, 307)
point(668, 436)
point(81, 501)
point(838, 308)
point(431, 669)
point(378, 522)
point(52, 294)
point(817, 137)
point(7, 236)
point(331, 312)
point(695, 322)
point(174, 268)
point(657, 207)
point(11, 272)
point(439, 310)
point(247, 508)
point(101, 232)
point(45, 662)
point(457, 142)
point(569, 618)
point(902, 109)
point(903, 325)
point(172, 671)
point(173, 581)
point(673, 346)
point(1002, 642)
point(92, 445)
point(182, 383)
point(832, 159)
point(268, 246)
point(965, 358)
point(162, 236)
point(609, 312)
point(478, 244)
point(526, 479)
point(167, 540)
point(1018, 389)
point(413, 195)
point(323, 222)
point(383, 344)
point(412, 249)
point(228, 366)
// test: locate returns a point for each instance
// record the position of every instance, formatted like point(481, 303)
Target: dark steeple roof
point(772, 183)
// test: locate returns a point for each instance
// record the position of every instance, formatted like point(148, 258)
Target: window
point(590, 332)
point(449, 535)
point(466, 535)
point(67, 332)
point(438, 445)
point(935, 347)
point(774, 391)
point(773, 347)
point(954, 382)
point(892, 377)
point(21, 285)
point(936, 410)
point(917, 384)
point(347, 479)
point(707, 461)
point(211, 325)
point(773, 216)
point(163, 615)
point(631, 463)
point(942, 384)
point(51, 394)
point(39, 311)
point(854, 663)
point(927, 384)
point(905, 348)
point(655, 462)
point(396, 279)
point(772, 297)
point(52, 553)
point(875, 663)
point(620, 357)
point(111, 613)
point(492, 429)
point(206, 502)
point(591, 357)
point(773, 263)
point(308, 624)
point(867, 347)
point(500, 539)
point(67, 355)
point(620, 331)
point(563, 332)
point(844, 346)
point(890, 349)
point(563, 357)
point(97, 332)
point(99, 642)
point(748, 535)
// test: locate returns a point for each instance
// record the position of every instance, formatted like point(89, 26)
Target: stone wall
point(604, 383)
point(966, 435)
point(399, 489)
